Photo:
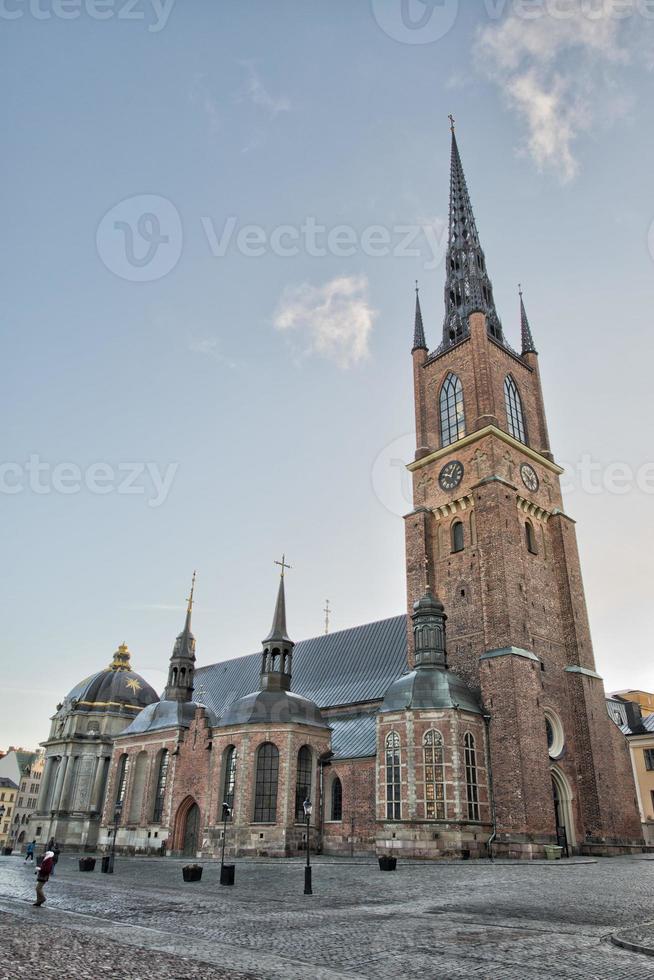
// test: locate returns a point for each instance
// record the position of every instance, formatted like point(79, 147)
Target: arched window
point(453, 421)
point(458, 538)
point(229, 777)
point(265, 794)
point(138, 787)
point(434, 776)
point(531, 538)
point(514, 416)
point(302, 781)
point(160, 789)
point(121, 779)
point(472, 788)
point(393, 777)
point(337, 799)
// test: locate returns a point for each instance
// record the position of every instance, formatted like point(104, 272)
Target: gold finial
point(451, 118)
point(190, 598)
point(121, 658)
point(283, 564)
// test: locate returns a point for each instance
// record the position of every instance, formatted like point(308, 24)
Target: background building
point(637, 723)
point(22, 829)
point(8, 791)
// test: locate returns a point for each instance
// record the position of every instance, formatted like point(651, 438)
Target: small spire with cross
point(283, 565)
point(452, 122)
point(326, 611)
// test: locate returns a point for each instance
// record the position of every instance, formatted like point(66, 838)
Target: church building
point(473, 725)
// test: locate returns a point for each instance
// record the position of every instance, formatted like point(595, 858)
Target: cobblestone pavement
point(517, 921)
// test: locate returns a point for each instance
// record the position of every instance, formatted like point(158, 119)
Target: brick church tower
point(489, 525)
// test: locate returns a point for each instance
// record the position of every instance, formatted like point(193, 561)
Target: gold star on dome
point(133, 684)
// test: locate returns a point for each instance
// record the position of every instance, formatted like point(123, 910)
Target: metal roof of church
point(350, 667)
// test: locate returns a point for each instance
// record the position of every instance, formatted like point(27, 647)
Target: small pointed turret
point(419, 342)
point(429, 631)
point(278, 646)
point(468, 288)
point(182, 660)
point(528, 345)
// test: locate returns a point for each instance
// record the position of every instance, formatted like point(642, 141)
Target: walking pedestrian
point(43, 873)
point(29, 850)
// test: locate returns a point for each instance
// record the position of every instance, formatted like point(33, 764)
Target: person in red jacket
point(43, 873)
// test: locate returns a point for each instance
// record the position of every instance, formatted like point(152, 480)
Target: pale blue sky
point(272, 383)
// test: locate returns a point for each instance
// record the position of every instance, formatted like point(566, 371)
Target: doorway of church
point(563, 836)
point(192, 831)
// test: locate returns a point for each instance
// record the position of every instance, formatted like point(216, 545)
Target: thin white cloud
point(256, 92)
point(558, 74)
point(333, 321)
point(200, 94)
point(210, 347)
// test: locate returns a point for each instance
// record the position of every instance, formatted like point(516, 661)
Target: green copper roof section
point(583, 670)
point(509, 652)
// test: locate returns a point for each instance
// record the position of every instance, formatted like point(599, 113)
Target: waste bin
point(107, 867)
point(192, 872)
point(7, 851)
point(87, 864)
point(387, 864)
point(227, 874)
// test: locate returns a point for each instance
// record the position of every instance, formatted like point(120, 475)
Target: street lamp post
point(117, 811)
point(308, 807)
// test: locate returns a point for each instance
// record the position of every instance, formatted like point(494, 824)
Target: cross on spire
point(283, 564)
point(452, 121)
point(326, 611)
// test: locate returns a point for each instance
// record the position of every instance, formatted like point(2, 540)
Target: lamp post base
point(307, 882)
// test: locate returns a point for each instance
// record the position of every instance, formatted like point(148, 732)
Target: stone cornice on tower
point(488, 430)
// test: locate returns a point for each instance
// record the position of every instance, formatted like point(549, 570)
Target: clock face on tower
point(451, 475)
point(529, 477)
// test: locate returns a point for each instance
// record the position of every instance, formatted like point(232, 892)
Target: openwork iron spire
point(468, 288)
point(528, 345)
point(182, 660)
point(419, 342)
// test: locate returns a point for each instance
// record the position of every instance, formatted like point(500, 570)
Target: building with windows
point(8, 793)
point(29, 787)
point(78, 751)
point(474, 723)
point(637, 723)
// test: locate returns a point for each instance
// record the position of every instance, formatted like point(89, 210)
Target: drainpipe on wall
point(489, 771)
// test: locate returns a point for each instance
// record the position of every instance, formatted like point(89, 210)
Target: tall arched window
point(531, 538)
point(458, 538)
point(337, 799)
point(453, 421)
point(229, 777)
point(265, 794)
point(160, 790)
point(302, 781)
point(393, 777)
point(472, 787)
point(434, 776)
point(121, 779)
point(514, 415)
point(139, 779)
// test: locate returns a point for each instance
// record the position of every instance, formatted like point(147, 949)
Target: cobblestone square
point(508, 920)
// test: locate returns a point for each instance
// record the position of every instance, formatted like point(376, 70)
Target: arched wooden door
point(191, 842)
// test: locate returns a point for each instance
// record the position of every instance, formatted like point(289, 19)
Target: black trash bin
point(192, 872)
point(87, 864)
point(7, 851)
point(227, 874)
point(107, 865)
point(387, 864)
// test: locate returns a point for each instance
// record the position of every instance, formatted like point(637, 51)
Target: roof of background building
point(7, 783)
point(646, 726)
point(353, 666)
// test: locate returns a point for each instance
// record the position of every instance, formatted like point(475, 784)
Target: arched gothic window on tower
point(121, 780)
point(229, 777)
point(393, 778)
point(530, 534)
point(337, 800)
point(267, 775)
point(452, 415)
point(458, 537)
point(160, 791)
point(514, 414)
point(302, 782)
point(434, 776)
point(472, 787)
